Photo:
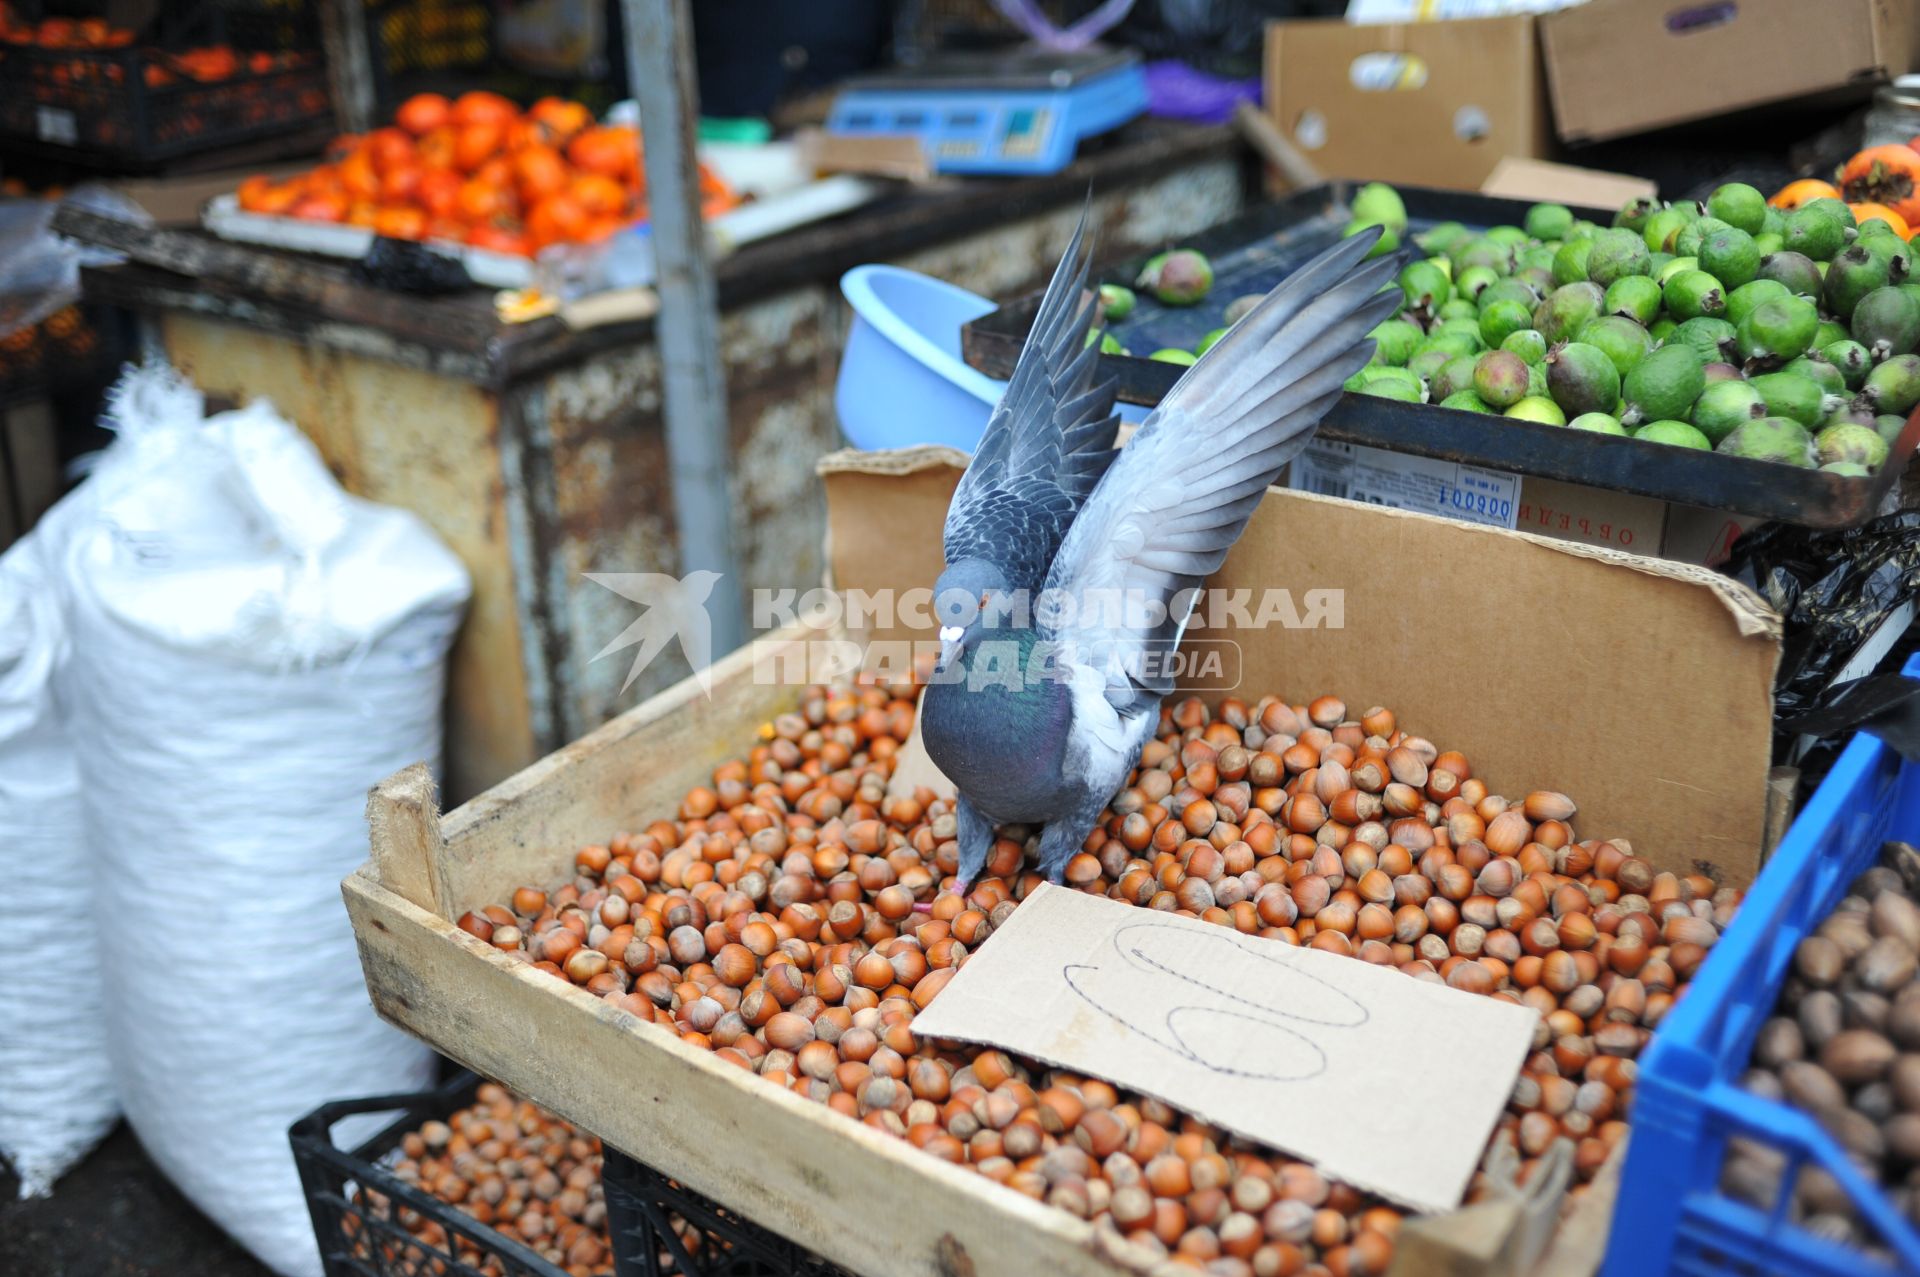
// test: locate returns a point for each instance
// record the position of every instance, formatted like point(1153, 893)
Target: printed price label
point(56, 125)
point(1401, 482)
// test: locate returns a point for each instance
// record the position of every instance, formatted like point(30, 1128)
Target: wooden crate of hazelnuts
point(439, 912)
point(514, 935)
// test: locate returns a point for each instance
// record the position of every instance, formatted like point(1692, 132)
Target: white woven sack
point(253, 649)
point(56, 1089)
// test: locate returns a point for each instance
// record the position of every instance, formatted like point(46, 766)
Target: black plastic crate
point(142, 104)
point(657, 1228)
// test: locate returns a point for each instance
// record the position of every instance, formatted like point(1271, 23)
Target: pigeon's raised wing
point(1048, 442)
point(1184, 487)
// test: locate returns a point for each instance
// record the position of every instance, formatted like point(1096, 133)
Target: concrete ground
point(115, 1215)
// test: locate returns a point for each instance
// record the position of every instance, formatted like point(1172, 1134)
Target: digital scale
point(1020, 111)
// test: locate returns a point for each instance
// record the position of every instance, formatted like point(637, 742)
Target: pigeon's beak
point(950, 636)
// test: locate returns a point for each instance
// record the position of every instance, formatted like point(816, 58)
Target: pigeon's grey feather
point(1168, 510)
point(1048, 442)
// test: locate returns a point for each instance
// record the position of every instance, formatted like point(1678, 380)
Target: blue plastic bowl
point(902, 381)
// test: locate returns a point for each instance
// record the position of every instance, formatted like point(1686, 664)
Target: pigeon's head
point(964, 600)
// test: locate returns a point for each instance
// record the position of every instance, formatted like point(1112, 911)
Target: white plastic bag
point(253, 649)
point(56, 1090)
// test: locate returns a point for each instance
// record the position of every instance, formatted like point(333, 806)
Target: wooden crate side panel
point(632, 771)
point(860, 1198)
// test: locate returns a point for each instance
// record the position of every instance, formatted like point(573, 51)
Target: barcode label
point(1377, 477)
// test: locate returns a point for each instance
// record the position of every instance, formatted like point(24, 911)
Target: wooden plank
point(860, 1198)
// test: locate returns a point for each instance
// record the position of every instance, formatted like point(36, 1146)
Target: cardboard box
point(1617, 67)
point(1524, 652)
point(1434, 103)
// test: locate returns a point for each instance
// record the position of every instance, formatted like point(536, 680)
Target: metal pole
point(661, 78)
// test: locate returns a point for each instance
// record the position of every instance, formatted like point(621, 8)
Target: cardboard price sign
point(1390, 1083)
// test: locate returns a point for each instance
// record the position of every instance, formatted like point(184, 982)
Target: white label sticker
point(1401, 482)
point(55, 125)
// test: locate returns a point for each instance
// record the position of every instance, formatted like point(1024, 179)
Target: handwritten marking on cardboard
point(1324, 1057)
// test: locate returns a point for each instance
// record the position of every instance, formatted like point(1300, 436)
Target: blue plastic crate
point(1671, 1217)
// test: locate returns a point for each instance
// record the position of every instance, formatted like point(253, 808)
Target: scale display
point(1013, 113)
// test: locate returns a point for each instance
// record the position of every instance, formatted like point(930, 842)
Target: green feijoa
point(1465, 401)
point(1635, 296)
point(1663, 385)
point(1815, 368)
point(1527, 343)
point(1500, 378)
point(1730, 257)
point(1442, 239)
point(1537, 408)
point(1894, 386)
point(1711, 337)
point(1116, 301)
point(1452, 379)
point(1511, 235)
point(1581, 378)
point(1619, 338)
point(1389, 388)
point(1839, 210)
point(1858, 445)
point(1777, 331)
point(1472, 281)
point(1738, 204)
point(1459, 308)
point(1677, 434)
point(1598, 422)
point(1502, 319)
point(1776, 439)
point(1426, 286)
point(1814, 232)
point(1570, 262)
point(1426, 363)
point(1769, 242)
point(1549, 221)
point(1693, 293)
point(1798, 272)
point(1207, 342)
point(1616, 254)
point(1508, 290)
point(1792, 396)
point(1691, 236)
point(1851, 358)
point(1853, 273)
point(1725, 405)
point(1633, 215)
point(1566, 309)
point(1742, 301)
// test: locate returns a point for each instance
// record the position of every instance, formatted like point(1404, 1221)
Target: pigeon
point(1072, 568)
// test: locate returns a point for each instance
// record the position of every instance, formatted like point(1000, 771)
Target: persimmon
point(342, 146)
point(608, 150)
point(1806, 190)
point(479, 201)
point(446, 228)
point(390, 148)
point(561, 117)
point(598, 194)
point(482, 107)
point(255, 194)
point(477, 143)
point(325, 206)
point(400, 222)
point(1865, 211)
point(399, 184)
point(500, 237)
point(438, 192)
point(423, 113)
point(538, 172)
point(1888, 175)
point(358, 175)
point(436, 149)
point(362, 213)
point(556, 219)
point(497, 171)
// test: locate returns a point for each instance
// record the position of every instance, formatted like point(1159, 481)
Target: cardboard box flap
point(1617, 67)
point(1642, 688)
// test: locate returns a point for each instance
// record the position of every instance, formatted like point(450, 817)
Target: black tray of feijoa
point(1254, 251)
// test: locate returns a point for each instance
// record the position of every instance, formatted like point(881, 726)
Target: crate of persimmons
point(475, 170)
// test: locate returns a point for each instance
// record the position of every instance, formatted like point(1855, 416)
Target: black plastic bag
point(1837, 592)
point(403, 266)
